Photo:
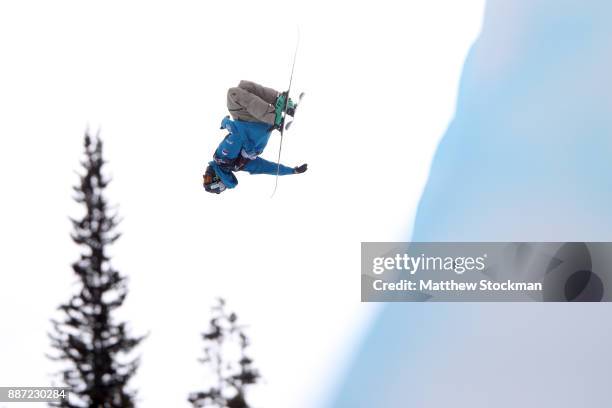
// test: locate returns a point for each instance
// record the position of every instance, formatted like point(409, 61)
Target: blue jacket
point(244, 143)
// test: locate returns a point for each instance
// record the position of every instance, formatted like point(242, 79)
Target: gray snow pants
point(252, 102)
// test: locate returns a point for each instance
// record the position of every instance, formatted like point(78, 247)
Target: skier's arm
point(262, 166)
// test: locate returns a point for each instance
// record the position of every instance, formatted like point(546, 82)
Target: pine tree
point(232, 373)
point(93, 346)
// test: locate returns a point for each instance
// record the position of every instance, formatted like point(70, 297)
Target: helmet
point(212, 183)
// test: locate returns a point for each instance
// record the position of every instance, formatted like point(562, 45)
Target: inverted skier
point(256, 111)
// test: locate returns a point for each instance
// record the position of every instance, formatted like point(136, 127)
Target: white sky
point(381, 79)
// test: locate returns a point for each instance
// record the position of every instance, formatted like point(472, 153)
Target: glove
point(300, 169)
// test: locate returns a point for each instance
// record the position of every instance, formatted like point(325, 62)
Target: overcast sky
point(381, 81)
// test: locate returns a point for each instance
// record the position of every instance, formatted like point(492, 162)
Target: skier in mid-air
point(256, 111)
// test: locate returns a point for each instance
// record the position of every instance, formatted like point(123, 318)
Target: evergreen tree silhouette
point(92, 345)
point(225, 356)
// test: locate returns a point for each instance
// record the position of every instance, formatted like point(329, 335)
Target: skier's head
point(212, 183)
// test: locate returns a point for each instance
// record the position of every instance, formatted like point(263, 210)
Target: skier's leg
point(267, 94)
point(244, 105)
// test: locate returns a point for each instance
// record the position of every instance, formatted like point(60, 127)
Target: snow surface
point(526, 158)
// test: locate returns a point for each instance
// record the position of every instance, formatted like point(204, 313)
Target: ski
point(282, 129)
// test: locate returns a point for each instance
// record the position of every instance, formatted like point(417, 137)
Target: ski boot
point(283, 105)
